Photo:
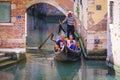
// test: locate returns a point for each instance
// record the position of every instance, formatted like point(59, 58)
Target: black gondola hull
point(67, 54)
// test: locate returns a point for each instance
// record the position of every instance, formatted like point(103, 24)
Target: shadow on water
point(97, 70)
point(12, 72)
point(67, 70)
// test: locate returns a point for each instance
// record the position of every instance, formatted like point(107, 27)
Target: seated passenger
point(61, 42)
point(71, 43)
point(77, 46)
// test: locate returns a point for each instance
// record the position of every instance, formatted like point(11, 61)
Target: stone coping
point(6, 24)
point(16, 50)
point(10, 62)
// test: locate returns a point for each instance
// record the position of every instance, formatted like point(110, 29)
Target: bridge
point(61, 5)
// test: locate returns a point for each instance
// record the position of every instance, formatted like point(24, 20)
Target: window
point(111, 11)
point(98, 7)
point(5, 9)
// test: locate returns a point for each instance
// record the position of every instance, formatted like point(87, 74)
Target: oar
point(45, 41)
point(61, 28)
point(47, 38)
point(51, 34)
point(51, 38)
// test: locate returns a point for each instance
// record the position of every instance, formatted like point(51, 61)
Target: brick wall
point(12, 35)
point(97, 25)
point(96, 40)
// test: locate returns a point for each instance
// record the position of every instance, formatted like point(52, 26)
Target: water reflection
point(14, 72)
point(68, 70)
point(40, 65)
point(94, 70)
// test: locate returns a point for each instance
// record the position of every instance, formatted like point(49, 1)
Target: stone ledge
point(6, 24)
point(99, 52)
point(16, 50)
point(96, 57)
point(10, 62)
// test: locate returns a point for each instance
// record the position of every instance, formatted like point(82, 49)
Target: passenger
point(56, 48)
point(61, 42)
point(71, 43)
point(77, 46)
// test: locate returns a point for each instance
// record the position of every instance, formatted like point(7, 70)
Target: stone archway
point(51, 2)
point(28, 6)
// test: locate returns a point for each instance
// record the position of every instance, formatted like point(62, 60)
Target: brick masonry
point(93, 36)
point(12, 35)
point(97, 25)
point(15, 31)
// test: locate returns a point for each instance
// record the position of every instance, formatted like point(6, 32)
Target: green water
point(40, 65)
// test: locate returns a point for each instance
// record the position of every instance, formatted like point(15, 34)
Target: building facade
point(13, 21)
point(12, 26)
point(113, 32)
point(93, 21)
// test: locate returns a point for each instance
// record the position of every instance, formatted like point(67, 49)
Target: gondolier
point(71, 23)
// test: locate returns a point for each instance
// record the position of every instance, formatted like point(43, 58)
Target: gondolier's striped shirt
point(70, 20)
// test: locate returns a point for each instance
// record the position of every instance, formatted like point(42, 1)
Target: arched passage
point(50, 2)
point(41, 20)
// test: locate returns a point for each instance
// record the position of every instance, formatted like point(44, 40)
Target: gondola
point(67, 54)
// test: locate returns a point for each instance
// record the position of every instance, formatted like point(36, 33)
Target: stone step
point(2, 55)
point(7, 63)
point(2, 59)
point(96, 57)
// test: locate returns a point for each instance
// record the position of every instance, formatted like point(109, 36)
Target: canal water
point(39, 29)
point(40, 64)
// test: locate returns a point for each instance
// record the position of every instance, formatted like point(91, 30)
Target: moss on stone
point(22, 56)
point(113, 66)
point(7, 63)
point(99, 52)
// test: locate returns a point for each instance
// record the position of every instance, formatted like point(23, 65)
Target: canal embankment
point(7, 59)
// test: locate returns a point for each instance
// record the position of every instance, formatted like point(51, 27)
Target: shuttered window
point(5, 10)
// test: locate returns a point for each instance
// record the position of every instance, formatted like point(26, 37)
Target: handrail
point(81, 44)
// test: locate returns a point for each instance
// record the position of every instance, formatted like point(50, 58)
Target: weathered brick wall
point(12, 35)
point(97, 25)
point(96, 40)
point(115, 39)
point(114, 35)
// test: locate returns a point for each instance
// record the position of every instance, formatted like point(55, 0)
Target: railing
point(81, 34)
